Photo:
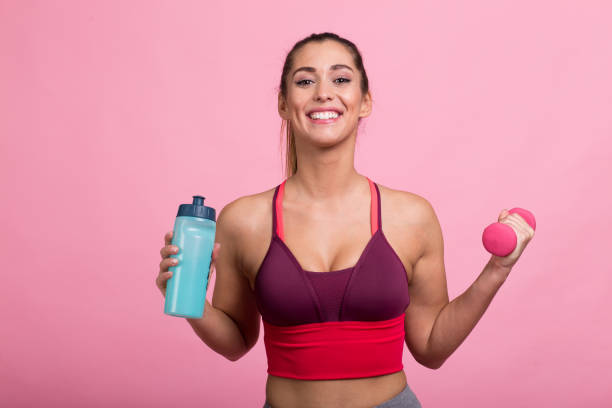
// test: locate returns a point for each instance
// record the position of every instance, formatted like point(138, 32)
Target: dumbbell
point(499, 238)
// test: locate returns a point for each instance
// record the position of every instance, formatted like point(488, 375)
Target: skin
point(327, 224)
point(326, 179)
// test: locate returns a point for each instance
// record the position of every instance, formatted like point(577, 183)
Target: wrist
point(497, 271)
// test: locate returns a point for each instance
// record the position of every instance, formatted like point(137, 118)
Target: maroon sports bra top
point(375, 288)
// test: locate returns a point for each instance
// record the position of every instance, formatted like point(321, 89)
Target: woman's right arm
point(230, 325)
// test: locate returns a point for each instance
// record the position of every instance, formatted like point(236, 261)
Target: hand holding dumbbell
point(500, 238)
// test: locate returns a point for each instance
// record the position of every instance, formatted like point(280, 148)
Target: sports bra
point(345, 323)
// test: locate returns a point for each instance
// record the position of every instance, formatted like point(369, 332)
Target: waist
point(335, 350)
point(370, 391)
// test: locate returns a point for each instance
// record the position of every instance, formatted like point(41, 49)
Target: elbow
point(427, 357)
point(435, 364)
point(430, 363)
point(234, 357)
point(247, 344)
point(238, 356)
point(246, 347)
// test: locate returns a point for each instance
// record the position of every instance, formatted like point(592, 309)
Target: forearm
point(457, 319)
point(219, 332)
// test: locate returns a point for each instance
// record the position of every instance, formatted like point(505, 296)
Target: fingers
point(162, 278)
point(168, 250)
point(215, 252)
point(519, 225)
point(168, 238)
point(211, 270)
point(161, 281)
point(167, 263)
point(502, 215)
point(525, 227)
point(520, 222)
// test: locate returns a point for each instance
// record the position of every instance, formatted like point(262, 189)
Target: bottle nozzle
point(198, 200)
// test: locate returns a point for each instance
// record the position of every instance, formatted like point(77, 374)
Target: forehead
point(321, 55)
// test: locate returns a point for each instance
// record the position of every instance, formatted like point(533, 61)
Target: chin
point(326, 140)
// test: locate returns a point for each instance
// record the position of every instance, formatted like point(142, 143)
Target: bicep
point(428, 289)
point(232, 293)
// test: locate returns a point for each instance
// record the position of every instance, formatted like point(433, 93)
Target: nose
point(323, 92)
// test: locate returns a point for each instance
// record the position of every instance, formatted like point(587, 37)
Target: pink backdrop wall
point(114, 112)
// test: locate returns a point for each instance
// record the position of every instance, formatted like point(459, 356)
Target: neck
point(326, 176)
point(326, 184)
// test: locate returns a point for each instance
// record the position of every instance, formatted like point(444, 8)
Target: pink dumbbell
point(500, 239)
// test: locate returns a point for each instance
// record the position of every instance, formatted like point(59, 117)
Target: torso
point(334, 247)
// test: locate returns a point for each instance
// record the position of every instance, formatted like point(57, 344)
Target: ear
point(366, 105)
point(282, 107)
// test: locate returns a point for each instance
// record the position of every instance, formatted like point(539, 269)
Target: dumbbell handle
point(500, 239)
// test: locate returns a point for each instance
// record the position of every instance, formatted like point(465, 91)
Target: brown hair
point(291, 156)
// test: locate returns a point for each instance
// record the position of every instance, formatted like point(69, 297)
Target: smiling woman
point(351, 352)
point(307, 77)
point(342, 270)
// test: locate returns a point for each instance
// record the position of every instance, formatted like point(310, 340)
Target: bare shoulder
point(405, 206)
point(247, 221)
point(244, 214)
point(406, 219)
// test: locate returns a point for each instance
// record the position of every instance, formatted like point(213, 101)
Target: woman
point(339, 296)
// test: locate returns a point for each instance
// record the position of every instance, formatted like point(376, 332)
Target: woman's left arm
point(434, 326)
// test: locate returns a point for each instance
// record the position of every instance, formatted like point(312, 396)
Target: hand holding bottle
point(167, 261)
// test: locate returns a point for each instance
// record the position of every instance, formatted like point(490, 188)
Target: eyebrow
point(311, 69)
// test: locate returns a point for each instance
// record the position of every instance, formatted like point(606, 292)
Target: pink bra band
point(333, 350)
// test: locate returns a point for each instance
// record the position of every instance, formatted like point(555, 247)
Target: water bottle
point(194, 235)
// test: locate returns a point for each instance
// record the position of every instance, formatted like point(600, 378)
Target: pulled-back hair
point(291, 156)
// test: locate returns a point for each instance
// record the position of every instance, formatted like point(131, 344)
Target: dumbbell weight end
point(499, 239)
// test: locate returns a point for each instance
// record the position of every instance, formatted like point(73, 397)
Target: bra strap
point(374, 207)
point(278, 227)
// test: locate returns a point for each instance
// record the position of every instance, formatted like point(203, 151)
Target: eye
point(342, 79)
point(301, 83)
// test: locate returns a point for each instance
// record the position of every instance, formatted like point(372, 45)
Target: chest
point(332, 248)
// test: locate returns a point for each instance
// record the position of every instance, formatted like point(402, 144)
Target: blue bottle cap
point(197, 209)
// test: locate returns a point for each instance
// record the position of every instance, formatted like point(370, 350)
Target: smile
point(324, 117)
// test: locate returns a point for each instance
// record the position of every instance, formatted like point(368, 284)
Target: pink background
point(112, 113)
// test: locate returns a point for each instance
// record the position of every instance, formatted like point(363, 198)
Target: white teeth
point(324, 115)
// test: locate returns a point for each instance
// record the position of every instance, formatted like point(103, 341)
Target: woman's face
point(323, 76)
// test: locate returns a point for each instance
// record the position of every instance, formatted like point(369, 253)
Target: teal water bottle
point(194, 235)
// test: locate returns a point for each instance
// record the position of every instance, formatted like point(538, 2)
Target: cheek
point(298, 103)
point(352, 97)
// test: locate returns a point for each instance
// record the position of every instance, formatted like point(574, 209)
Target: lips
point(324, 110)
point(324, 121)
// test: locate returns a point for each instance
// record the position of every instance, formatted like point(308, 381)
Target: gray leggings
point(405, 399)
